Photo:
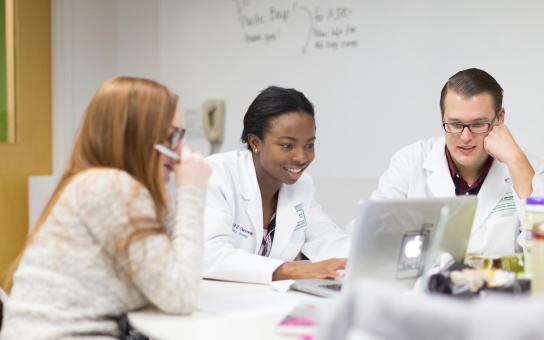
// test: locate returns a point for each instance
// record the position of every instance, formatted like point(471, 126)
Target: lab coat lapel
point(287, 217)
point(439, 180)
point(252, 195)
point(493, 189)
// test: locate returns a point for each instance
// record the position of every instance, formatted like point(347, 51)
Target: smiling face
point(166, 164)
point(467, 149)
point(286, 150)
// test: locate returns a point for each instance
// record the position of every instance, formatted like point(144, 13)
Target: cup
point(511, 263)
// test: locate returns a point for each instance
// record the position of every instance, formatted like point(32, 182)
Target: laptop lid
point(397, 240)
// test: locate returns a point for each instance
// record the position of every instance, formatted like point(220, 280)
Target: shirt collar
point(461, 186)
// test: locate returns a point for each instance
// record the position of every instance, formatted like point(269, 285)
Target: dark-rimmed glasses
point(478, 127)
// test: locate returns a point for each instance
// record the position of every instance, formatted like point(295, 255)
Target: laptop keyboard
point(334, 286)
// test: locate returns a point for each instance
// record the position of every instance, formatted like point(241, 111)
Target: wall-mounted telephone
point(213, 121)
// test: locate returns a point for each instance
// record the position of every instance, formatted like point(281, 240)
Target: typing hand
point(327, 269)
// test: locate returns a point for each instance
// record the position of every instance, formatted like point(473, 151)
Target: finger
point(336, 274)
point(197, 155)
point(341, 263)
point(185, 153)
point(339, 266)
point(486, 144)
point(179, 149)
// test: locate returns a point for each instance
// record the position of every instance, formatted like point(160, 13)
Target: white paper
point(252, 303)
point(281, 285)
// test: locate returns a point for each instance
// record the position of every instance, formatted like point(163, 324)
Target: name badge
point(301, 223)
point(241, 231)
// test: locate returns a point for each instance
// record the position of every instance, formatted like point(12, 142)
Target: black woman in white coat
point(260, 211)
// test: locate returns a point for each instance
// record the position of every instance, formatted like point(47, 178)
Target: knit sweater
point(73, 281)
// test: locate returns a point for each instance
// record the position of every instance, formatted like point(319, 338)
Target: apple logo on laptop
point(412, 248)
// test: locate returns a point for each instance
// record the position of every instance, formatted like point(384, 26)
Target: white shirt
point(234, 223)
point(420, 170)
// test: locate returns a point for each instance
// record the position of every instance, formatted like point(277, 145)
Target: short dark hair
point(270, 103)
point(471, 82)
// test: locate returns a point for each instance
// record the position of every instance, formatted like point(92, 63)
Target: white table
point(226, 310)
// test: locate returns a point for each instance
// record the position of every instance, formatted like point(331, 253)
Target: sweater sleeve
point(166, 267)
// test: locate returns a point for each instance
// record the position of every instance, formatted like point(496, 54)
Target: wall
point(92, 42)
point(31, 154)
point(83, 52)
point(373, 69)
point(84, 55)
point(3, 75)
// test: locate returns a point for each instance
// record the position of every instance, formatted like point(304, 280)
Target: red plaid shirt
point(461, 186)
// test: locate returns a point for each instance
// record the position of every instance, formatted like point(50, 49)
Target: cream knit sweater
point(72, 282)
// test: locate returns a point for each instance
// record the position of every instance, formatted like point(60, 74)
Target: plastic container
point(537, 259)
point(534, 210)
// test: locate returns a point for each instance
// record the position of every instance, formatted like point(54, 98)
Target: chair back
point(3, 298)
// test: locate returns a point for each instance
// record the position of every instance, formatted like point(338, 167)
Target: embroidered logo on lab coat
point(301, 217)
point(239, 230)
point(505, 204)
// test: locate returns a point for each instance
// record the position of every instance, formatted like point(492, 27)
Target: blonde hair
point(124, 120)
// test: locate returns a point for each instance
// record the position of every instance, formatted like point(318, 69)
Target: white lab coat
point(234, 223)
point(420, 170)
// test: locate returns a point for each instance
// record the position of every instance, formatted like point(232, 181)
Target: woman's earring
point(255, 150)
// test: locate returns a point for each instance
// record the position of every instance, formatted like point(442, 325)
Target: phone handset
point(213, 121)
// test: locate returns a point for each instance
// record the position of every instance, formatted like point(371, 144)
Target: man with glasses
point(476, 156)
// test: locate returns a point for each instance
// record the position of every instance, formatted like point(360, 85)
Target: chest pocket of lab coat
point(499, 229)
point(294, 246)
point(298, 235)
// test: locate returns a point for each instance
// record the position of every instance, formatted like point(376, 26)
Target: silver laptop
point(399, 240)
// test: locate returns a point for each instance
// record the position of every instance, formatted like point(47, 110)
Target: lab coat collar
point(249, 189)
point(289, 212)
point(290, 199)
point(495, 186)
point(439, 181)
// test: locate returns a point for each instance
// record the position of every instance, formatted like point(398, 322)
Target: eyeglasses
point(175, 137)
point(479, 127)
point(173, 140)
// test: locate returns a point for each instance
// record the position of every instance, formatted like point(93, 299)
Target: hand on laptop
point(327, 269)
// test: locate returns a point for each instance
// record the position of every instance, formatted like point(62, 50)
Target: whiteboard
point(373, 69)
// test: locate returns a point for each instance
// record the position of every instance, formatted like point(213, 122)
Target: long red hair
point(124, 120)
